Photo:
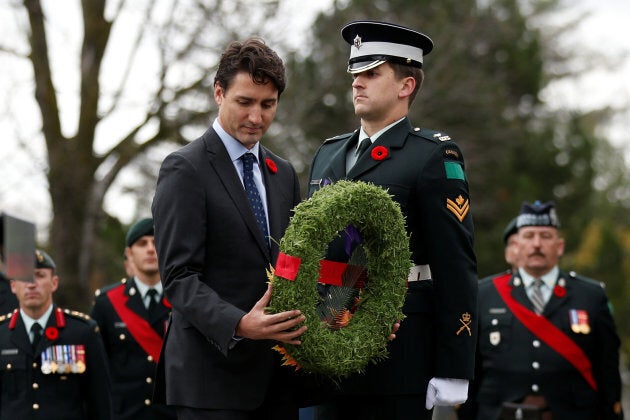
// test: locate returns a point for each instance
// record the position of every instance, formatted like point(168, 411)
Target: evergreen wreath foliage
point(317, 222)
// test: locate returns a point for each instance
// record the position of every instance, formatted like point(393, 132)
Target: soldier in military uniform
point(52, 361)
point(547, 341)
point(133, 323)
point(432, 358)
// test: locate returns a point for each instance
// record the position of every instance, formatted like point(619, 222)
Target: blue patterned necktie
point(253, 195)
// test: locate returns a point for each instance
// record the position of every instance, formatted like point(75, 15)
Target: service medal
point(579, 321)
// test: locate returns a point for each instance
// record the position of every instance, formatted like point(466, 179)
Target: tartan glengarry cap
point(372, 43)
point(538, 214)
point(43, 260)
point(143, 227)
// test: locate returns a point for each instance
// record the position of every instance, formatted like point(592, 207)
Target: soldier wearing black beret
point(132, 315)
point(547, 340)
point(52, 361)
point(431, 360)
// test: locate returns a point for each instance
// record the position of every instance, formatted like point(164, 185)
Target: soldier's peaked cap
point(372, 43)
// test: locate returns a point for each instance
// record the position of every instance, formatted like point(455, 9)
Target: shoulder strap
point(138, 327)
point(546, 331)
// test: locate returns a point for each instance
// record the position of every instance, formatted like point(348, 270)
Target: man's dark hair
point(254, 57)
point(401, 71)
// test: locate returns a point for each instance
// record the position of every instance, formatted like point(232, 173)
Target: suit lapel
point(219, 159)
point(518, 292)
point(392, 139)
point(20, 338)
point(555, 302)
point(337, 168)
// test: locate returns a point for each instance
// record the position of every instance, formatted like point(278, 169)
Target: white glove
point(446, 391)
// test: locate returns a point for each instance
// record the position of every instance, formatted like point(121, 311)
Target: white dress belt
point(419, 273)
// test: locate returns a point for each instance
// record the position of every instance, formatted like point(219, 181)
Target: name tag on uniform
point(120, 325)
point(9, 352)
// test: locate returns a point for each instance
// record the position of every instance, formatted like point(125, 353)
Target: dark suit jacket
point(72, 396)
point(132, 368)
point(515, 363)
point(212, 260)
point(414, 171)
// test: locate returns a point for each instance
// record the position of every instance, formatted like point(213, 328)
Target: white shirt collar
point(548, 278)
point(234, 147)
point(43, 320)
point(373, 137)
point(144, 288)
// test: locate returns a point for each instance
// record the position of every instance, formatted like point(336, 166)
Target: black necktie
point(36, 329)
point(365, 144)
point(253, 195)
point(152, 293)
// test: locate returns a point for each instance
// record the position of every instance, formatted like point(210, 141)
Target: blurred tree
point(173, 106)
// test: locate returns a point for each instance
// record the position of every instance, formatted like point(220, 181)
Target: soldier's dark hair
point(401, 71)
point(255, 57)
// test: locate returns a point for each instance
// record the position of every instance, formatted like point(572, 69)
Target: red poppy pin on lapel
point(52, 333)
point(271, 165)
point(379, 153)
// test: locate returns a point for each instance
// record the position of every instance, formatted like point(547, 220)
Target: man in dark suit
point(52, 361)
point(132, 315)
point(431, 360)
point(222, 204)
point(547, 342)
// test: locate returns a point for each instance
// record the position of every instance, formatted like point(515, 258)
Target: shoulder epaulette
point(6, 317)
point(435, 136)
point(575, 276)
point(107, 288)
point(77, 315)
point(339, 137)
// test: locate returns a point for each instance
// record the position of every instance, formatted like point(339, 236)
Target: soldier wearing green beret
point(132, 315)
point(52, 361)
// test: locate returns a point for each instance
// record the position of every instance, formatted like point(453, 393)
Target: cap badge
point(465, 321)
point(357, 41)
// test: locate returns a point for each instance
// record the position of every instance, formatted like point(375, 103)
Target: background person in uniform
point(133, 316)
point(431, 360)
point(52, 361)
point(547, 337)
point(510, 237)
point(220, 205)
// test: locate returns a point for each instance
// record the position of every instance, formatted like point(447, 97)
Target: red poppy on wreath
point(52, 333)
point(379, 153)
point(271, 165)
point(559, 291)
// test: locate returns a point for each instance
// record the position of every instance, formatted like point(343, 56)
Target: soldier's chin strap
point(546, 331)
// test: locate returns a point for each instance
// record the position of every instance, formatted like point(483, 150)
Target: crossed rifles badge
point(465, 321)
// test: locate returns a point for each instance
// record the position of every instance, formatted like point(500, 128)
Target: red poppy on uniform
point(271, 165)
point(559, 291)
point(52, 333)
point(379, 153)
point(166, 303)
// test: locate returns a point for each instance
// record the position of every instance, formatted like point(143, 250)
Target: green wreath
point(338, 352)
